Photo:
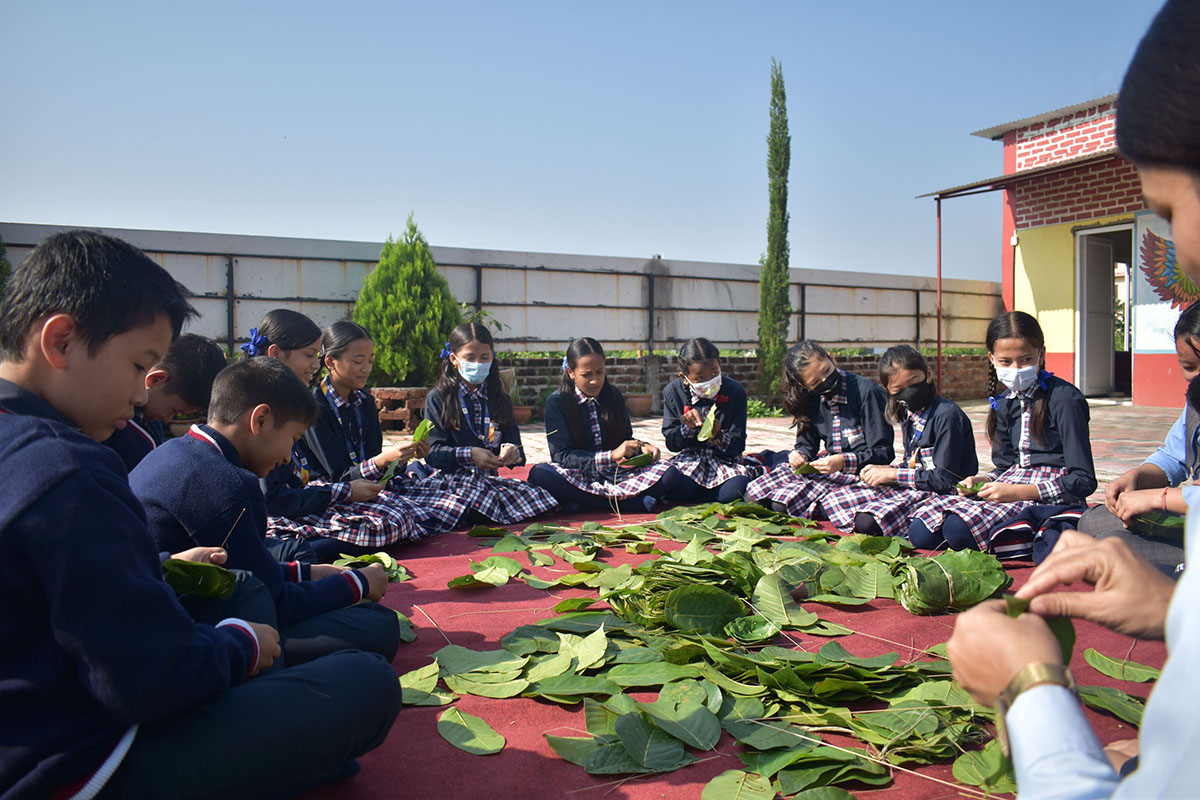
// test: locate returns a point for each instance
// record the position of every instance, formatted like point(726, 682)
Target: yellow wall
point(1046, 275)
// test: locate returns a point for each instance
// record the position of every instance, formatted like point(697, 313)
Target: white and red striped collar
point(145, 434)
point(196, 432)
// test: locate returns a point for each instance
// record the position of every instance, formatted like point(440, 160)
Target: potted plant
point(638, 401)
point(521, 413)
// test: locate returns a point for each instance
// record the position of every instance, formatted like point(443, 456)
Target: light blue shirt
point(1171, 458)
point(1055, 753)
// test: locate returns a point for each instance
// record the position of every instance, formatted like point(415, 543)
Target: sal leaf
point(469, 733)
point(706, 430)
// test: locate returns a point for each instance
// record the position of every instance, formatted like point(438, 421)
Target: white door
point(1096, 316)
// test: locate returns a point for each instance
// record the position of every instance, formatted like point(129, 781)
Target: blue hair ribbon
point(1043, 375)
point(258, 344)
point(565, 365)
point(992, 402)
point(446, 351)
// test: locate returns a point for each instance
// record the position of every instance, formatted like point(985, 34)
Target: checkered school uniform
point(984, 516)
point(617, 483)
point(801, 495)
point(502, 500)
point(706, 465)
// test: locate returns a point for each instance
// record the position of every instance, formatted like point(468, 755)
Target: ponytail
point(798, 401)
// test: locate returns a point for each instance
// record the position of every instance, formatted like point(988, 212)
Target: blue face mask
point(474, 372)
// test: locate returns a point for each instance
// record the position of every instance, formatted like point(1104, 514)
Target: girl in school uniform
point(714, 469)
point(590, 435)
point(939, 451)
point(474, 434)
point(311, 515)
point(835, 412)
point(1038, 427)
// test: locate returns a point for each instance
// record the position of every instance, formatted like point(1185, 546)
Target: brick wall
point(1091, 130)
point(1087, 192)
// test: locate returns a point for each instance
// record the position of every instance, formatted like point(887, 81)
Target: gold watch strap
point(1038, 672)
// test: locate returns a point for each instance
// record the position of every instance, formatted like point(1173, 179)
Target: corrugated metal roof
point(1001, 181)
point(997, 131)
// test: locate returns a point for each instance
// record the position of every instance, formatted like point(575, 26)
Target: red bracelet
point(1164, 498)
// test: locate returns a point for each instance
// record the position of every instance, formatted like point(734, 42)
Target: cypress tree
point(774, 308)
point(407, 307)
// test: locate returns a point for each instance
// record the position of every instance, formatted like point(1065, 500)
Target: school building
point(1080, 252)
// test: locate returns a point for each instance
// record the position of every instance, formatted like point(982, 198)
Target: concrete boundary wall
point(546, 299)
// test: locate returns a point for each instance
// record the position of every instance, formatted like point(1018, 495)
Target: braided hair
point(611, 430)
point(1017, 325)
point(798, 401)
point(499, 404)
point(696, 351)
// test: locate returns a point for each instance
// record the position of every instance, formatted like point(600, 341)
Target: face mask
point(708, 389)
point(916, 397)
point(1015, 379)
point(474, 372)
point(830, 385)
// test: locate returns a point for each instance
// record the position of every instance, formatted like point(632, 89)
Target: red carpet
point(416, 762)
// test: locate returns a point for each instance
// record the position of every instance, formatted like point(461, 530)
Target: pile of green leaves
point(396, 571)
point(697, 626)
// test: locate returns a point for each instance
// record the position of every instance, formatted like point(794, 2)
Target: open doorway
point(1102, 354)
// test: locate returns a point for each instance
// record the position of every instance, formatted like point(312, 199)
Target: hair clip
point(1043, 375)
point(992, 402)
point(446, 351)
point(257, 345)
point(565, 365)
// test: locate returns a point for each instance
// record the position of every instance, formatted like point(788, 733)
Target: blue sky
point(614, 128)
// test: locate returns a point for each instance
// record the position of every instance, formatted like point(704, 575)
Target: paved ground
point(1122, 435)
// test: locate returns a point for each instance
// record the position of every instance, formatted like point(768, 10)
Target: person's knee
point(667, 483)
point(921, 537)
point(542, 475)
point(866, 523)
point(957, 533)
point(733, 489)
point(382, 628)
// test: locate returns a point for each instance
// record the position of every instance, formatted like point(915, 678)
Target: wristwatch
point(1027, 677)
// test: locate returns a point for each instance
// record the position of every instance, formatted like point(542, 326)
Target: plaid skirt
point(625, 483)
point(892, 507)
point(502, 500)
point(984, 516)
point(707, 468)
point(843, 503)
point(403, 512)
point(797, 494)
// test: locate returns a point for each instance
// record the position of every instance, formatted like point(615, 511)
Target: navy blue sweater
point(1067, 441)
point(194, 488)
point(862, 411)
point(580, 454)
point(731, 411)
point(289, 496)
point(94, 639)
point(135, 441)
point(951, 438)
point(325, 442)
point(444, 444)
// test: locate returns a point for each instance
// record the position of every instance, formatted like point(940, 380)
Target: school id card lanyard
point(488, 425)
point(355, 447)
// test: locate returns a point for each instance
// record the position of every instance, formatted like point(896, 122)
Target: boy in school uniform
point(180, 383)
point(202, 489)
point(107, 686)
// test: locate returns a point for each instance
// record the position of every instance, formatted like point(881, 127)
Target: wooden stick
point(231, 527)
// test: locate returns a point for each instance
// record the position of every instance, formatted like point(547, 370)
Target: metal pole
point(650, 314)
point(917, 316)
point(230, 301)
point(479, 287)
point(939, 292)
point(803, 310)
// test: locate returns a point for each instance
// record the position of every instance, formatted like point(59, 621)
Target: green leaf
point(973, 489)
point(587, 651)
point(772, 599)
point(823, 793)
point(734, 784)
point(574, 686)
point(1121, 705)
point(469, 733)
point(753, 629)
point(572, 748)
point(955, 580)
point(1121, 670)
point(407, 632)
point(706, 430)
point(198, 578)
point(701, 607)
point(575, 604)
point(611, 758)
point(769, 762)
point(391, 470)
point(423, 679)
point(640, 460)
point(987, 769)
point(1015, 606)
point(1062, 627)
point(463, 685)
point(422, 431)
point(651, 674)
point(805, 469)
point(649, 746)
point(456, 660)
point(478, 581)
point(690, 722)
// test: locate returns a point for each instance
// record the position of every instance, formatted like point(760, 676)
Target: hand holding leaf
point(711, 426)
point(989, 647)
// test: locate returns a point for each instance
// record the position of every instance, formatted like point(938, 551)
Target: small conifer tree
point(775, 309)
point(407, 307)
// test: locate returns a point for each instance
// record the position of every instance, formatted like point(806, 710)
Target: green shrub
point(757, 408)
point(408, 308)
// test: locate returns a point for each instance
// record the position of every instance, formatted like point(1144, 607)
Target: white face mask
point(1017, 379)
point(708, 389)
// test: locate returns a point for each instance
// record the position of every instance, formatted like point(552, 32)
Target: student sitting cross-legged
point(179, 383)
point(107, 686)
point(203, 489)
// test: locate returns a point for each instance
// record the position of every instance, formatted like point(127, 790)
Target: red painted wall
point(1062, 365)
point(1008, 267)
point(1157, 380)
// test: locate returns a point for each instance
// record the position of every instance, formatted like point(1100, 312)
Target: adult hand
point(1115, 488)
point(509, 454)
point(1129, 595)
point(377, 581)
point(829, 464)
point(362, 490)
point(202, 555)
point(989, 647)
point(268, 646)
point(878, 475)
point(796, 459)
point(485, 459)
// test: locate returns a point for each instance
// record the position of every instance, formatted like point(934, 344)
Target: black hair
point(249, 382)
point(1017, 325)
point(894, 359)
point(798, 401)
point(1158, 118)
point(1188, 324)
point(339, 336)
point(288, 330)
point(696, 351)
point(611, 429)
point(106, 285)
point(499, 405)
point(192, 363)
